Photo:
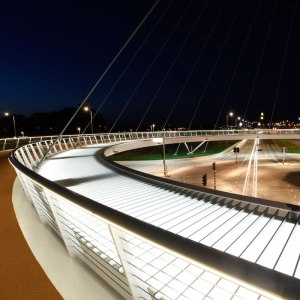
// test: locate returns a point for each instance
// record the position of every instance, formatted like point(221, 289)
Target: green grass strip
point(292, 146)
point(156, 152)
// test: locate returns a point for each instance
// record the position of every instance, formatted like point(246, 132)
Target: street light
point(86, 108)
point(78, 128)
point(152, 127)
point(237, 121)
point(230, 114)
point(7, 114)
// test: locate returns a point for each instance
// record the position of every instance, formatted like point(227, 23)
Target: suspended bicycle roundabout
point(153, 238)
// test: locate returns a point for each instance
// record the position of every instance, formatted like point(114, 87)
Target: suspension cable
point(260, 59)
point(283, 63)
point(172, 65)
point(216, 62)
point(100, 78)
point(237, 64)
point(206, 40)
point(152, 63)
point(130, 61)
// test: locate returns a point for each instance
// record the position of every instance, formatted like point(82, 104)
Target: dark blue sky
point(52, 52)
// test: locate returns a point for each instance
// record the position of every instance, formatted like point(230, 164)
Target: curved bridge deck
point(265, 236)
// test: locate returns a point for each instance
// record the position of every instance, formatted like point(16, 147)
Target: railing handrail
point(234, 266)
point(12, 143)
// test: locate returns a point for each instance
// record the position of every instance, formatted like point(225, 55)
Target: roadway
point(276, 180)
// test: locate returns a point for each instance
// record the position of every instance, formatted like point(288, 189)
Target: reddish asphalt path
point(21, 276)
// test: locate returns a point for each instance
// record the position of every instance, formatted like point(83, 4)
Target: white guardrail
point(138, 259)
point(12, 143)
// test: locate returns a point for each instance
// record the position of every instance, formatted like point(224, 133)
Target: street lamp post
point(230, 114)
point(86, 108)
point(152, 127)
point(14, 122)
point(262, 116)
point(78, 128)
point(164, 158)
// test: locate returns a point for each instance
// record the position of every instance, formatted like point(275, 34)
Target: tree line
point(50, 123)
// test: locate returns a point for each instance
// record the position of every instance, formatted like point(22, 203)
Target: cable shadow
point(75, 181)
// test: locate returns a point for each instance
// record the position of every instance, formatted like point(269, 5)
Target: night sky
point(200, 59)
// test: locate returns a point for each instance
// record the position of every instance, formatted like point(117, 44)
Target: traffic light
point(204, 179)
point(214, 166)
point(236, 149)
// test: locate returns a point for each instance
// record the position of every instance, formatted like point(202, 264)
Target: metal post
point(14, 125)
point(215, 177)
point(91, 114)
point(164, 158)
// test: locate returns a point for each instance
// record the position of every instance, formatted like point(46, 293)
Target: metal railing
point(12, 143)
point(138, 259)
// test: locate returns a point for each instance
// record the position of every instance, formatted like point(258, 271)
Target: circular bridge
point(154, 238)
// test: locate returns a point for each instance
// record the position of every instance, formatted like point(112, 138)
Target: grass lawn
point(156, 152)
point(291, 147)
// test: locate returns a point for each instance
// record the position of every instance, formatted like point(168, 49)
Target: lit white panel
point(222, 230)
point(173, 212)
point(172, 219)
point(210, 277)
point(129, 200)
point(159, 263)
point(215, 223)
point(164, 211)
point(218, 293)
point(246, 294)
point(147, 257)
point(247, 237)
point(141, 206)
point(200, 206)
point(155, 283)
point(237, 231)
point(198, 221)
point(172, 270)
point(227, 285)
point(162, 277)
point(273, 250)
point(194, 270)
point(202, 286)
point(144, 208)
point(191, 293)
point(186, 277)
point(177, 285)
point(289, 257)
point(262, 239)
